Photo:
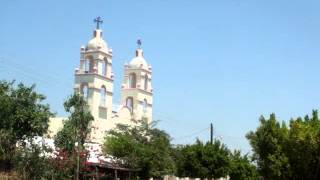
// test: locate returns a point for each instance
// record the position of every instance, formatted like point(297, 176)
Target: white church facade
point(94, 79)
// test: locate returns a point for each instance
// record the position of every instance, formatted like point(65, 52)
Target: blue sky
point(225, 62)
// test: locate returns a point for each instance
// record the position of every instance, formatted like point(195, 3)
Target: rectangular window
point(102, 113)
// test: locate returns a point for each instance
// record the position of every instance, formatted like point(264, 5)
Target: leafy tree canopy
point(287, 152)
point(203, 160)
point(75, 131)
point(76, 128)
point(141, 147)
point(22, 116)
point(242, 167)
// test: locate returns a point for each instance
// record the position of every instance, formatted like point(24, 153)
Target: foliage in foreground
point(149, 149)
point(283, 152)
point(141, 147)
point(22, 116)
point(242, 168)
point(76, 128)
point(37, 161)
point(206, 160)
point(31, 163)
point(75, 131)
point(203, 160)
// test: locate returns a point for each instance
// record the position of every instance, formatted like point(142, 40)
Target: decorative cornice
point(134, 68)
point(98, 89)
point(142, 90)
point(103, 107)
point(108, 62)
point(94, 74)
point(97, 51)
point(94, 88)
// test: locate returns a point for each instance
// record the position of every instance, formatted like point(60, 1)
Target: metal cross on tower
point(139, 42)
point(99, 21)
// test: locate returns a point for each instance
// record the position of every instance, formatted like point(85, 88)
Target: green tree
point(303, 147)
point(75, 131)
point(160, 160)
point(203, 160)
point(242, 168)
point(267, 143)
point(283, 152)
point(76, 128)
point(188, 162)
point(22, 116)
point(141, 147)
point(32, 162)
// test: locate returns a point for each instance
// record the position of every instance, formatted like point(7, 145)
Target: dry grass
point(8, 176)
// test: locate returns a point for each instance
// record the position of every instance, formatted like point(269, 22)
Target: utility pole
point(78, 161)
point(211, 133)
point(77, 151)
point(76, 144)
point(78, 136)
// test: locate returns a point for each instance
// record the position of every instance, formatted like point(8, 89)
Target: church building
point(94, 79)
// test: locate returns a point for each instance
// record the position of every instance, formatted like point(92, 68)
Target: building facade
point(94, 79)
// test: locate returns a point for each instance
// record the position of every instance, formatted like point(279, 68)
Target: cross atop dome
point(97, 42)
point(139, 43)
point(139, 51)
point(99, 21)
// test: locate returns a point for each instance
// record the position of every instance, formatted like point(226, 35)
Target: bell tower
point(94, 80)
point(137, 92)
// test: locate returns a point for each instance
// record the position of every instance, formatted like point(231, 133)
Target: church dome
point(139, 61)
point(97, 42)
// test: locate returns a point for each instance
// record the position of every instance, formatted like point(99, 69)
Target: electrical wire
point(192, 134)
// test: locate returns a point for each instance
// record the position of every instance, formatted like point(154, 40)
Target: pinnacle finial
point(99, 21)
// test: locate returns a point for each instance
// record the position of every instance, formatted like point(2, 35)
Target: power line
point(192, 134)
point(29, 69)
point(28, 76)
point(32, 74)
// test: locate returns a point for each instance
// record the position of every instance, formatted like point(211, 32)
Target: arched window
point(146, 82)
point(104, 68)
point(91, 65)
point(129, 103)
point(145, 105)
point(86, 65)
point(132, 80)
point(103, 96)
point(85, 91)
